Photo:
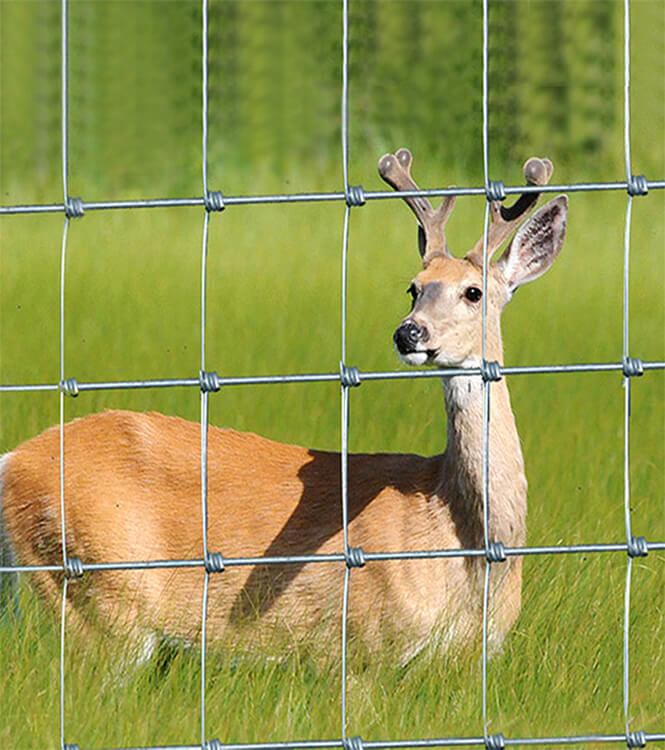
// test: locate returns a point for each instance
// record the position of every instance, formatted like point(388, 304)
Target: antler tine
point(395, 169)
point(505, 219)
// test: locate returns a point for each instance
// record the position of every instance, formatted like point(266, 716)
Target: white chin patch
point(414, 358)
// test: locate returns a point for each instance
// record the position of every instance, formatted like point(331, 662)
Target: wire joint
point(637, 185)
point(214, 562)
point(636, 739)
point(495, 742)
point(209, 381)
point(495, 190)
point(349, 376)
point(353, 743)
point(490, 371)
point(74, 208)
point(355, 557)
point(70, 386)
point(638, 547)
point(73, 567)
point(355, 195)
point(495, 552)
point(214, 201)
point(633, 367)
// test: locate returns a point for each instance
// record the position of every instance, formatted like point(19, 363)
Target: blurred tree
point(504, 84)
point(275, 85)
point(593, 52)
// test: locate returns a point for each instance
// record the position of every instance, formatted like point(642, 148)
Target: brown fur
point(132, 489)
point(132, 493)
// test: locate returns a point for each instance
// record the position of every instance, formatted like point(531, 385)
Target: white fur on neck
point(463, 391)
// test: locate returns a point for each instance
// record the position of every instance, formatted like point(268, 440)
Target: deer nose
point(408, 335)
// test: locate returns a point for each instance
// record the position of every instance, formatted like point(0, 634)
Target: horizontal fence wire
point(340, 557)
point(347, 377)
point(73, 387)
point(370, 195)
point(333, 744)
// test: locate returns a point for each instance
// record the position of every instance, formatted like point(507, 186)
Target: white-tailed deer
point(132, 482)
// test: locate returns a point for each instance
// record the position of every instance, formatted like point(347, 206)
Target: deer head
point(444, 325)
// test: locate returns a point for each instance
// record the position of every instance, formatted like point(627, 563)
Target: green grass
point(274, 307)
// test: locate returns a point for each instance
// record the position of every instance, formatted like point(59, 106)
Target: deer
point(132, 483)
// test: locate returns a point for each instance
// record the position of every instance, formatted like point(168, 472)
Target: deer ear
point(536, 245)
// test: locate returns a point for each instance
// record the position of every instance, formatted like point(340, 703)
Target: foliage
point(275, 83)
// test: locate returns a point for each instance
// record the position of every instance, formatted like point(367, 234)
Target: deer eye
point(473, 294)
point(413, 291)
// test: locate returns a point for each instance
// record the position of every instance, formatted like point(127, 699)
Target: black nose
point(408, 335)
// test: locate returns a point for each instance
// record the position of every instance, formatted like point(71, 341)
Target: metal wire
point(63, 258)
point(344, 437)
point(210, 204)
point(486, 382)
point(627, 378)
point(559, 549)
point(363, 377)
point(288, 198)
point(335, 744)
point(64, 101)
point(349, 377)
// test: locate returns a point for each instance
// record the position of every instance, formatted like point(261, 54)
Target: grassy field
point(274, 307)
point(132, 311)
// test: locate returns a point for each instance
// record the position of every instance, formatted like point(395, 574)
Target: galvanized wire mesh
point(208, 381)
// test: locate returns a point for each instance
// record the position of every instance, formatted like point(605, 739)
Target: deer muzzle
point(409, 335)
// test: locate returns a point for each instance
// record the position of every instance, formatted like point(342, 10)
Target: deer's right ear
point(536, 245)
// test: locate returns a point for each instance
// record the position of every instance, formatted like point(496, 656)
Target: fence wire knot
point(632, 367)
point(495, 552)
point(214, 201)
point(355, 195)
point(70, 386)
point(638, 547)
point(636, 739)
point(73, 208)
point(495, 190)
point(214, 562)
point(209, 381)
point(349, 376)
point(352, 743)
point(490, 371)
point(495, 741)
point(637, 185)
point(73, 567)
point(213, 745)
point(355, 557)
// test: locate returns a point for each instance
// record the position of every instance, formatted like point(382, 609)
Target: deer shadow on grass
point(318, 517)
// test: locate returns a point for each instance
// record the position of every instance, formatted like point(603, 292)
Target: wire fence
point(349, 377)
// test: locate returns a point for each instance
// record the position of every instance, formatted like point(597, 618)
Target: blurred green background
point(132, 311)
point(556, 84)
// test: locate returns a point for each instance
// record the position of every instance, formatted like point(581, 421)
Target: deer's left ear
point(536, 245)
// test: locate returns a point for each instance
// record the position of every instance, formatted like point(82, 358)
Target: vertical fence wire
point(486, 382)
point(63, 254)
point(626, 378)
point(61, 396)
point(204, 389)
point(344, 455)
point(204, 397)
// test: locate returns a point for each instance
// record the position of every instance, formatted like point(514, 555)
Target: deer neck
point(462, 463)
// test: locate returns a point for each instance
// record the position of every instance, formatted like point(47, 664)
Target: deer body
point(132, 491)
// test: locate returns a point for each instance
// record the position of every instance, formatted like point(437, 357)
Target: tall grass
point(132, 311)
